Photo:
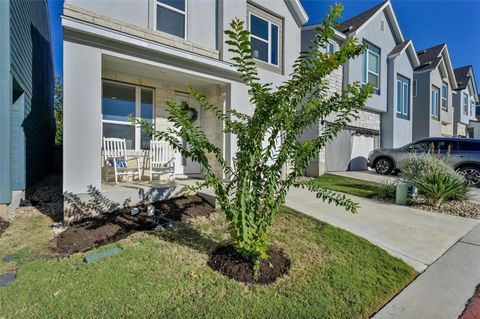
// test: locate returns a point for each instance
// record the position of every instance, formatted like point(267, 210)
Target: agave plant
point(439, 187)
point(255, 187)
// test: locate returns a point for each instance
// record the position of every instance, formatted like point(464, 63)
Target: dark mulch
point(3, 225)
point(119, 224)
point(230, 263)
point(472, 308)
point(184, 207)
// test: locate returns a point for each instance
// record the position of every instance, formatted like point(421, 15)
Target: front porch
point(130, 87)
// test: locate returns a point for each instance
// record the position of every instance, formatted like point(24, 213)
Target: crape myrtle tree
point(255, 187)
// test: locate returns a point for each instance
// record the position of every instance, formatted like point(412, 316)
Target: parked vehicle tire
point(471, 174)
point(383, 166)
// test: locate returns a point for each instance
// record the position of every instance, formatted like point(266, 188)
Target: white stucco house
point(128, 57)
point(387, 64)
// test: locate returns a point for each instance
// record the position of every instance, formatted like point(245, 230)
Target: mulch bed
point(119, 224)
point(466, 208)
point(472, 308)
point(233, 265)
point(3, 225)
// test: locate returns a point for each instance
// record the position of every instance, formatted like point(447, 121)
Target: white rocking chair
point(162, 159)
point(115, 156)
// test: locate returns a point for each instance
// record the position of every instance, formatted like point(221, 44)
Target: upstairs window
point(171, 17)
point(465, 103)
point(330, 48)
point(444, 97)
point(264, 37)
point(435, 103)
point(403, 97)
point(371, 67)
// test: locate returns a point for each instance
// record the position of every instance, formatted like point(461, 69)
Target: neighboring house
point(434, 82)
point(388, 65)
point(128, 57)
point(26, 99)
point(465, 98)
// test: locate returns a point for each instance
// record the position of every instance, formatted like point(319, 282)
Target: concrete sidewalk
point(419, 238)
point(442, 291)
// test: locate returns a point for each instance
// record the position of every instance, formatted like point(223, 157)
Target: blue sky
point(427, 23)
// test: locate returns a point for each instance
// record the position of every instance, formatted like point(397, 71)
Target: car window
point(469, 146)
point(419, 147)
point(442, 146)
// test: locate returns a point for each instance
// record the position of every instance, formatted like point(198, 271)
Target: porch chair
point(162, 159)
point(115, 156)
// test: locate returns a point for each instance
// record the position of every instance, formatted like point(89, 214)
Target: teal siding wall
point(32, 71)
point(27, 113)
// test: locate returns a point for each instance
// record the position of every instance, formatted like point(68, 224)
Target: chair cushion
point(119, 161)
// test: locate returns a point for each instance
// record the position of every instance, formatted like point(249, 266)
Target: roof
point(429, 58)
point(298, 10)
point(357, 21)
point(399, 47)
point(461, 74)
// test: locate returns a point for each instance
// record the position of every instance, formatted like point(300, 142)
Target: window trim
point(166, 6)
point(366, 70)
point(138, 111)
point(444, 85)
point(269, 42)
point(404, 112)
point(437, 102)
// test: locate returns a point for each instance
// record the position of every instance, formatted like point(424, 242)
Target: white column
point(82, 132)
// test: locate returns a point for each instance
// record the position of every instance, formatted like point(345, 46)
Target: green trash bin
point(401, 193)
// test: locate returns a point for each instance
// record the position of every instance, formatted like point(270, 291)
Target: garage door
point(349, 151)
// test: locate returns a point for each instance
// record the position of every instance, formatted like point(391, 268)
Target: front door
point(186, 165)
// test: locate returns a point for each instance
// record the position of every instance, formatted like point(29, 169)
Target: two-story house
point(26, 99)
point(434, 83)
point(128, 57)
point(388, 65)
point(465, 98)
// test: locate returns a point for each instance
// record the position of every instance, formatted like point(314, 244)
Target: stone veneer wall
point(447, 129)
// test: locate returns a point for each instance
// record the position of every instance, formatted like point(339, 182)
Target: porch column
point(82, 132)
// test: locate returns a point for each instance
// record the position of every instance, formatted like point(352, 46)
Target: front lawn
point(347, 185)
point(334, 274)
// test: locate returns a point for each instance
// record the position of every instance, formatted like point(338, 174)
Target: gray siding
point(31, 125)
point(421, 106)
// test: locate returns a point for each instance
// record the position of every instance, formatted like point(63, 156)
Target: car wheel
point(383, 166)
point(471, 175)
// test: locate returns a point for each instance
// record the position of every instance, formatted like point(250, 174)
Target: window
point(419, 147)
point(469, 146)
point(264, 39)
point(472, 107)
point(414, 89)
point(119, 103)
point(465, 103)
point(444, 96)
point(382, 26)
point(403, 97)
point(435, 102)
point(371, 67)
point(171, 17)
point(330, 47)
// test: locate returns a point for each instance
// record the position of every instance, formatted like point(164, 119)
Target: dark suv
point(464, 155)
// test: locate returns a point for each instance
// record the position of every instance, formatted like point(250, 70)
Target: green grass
point(334, 274)
point(347, 185)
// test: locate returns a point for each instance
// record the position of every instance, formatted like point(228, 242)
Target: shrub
point(386, 189)
point(256, 186)
point(441, 186)
point(419, 165)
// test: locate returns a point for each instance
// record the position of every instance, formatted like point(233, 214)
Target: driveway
point(419, 238)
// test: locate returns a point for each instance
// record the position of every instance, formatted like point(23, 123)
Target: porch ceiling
point(156, 73)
